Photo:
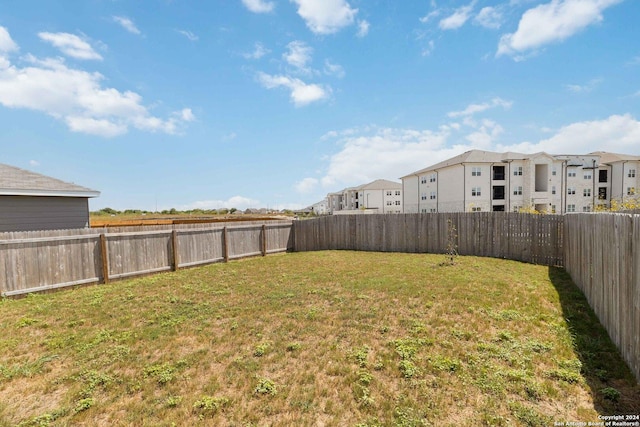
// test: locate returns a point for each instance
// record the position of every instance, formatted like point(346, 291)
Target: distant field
point(120, 220)
point(332, 338)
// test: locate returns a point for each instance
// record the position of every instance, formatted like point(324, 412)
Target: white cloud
point(584, 88)
point(428, 50)
point(98, 127)
point(617, 133)
point(385, 153)
point(258, 52)
point(34, 163)
point(6, 42)
point(127, 24)
point(489, 17)
point(298, 55)
point(433, 14)
point(259, 6)
point(478, 108)
point(363, 28)
point(79, 99)
point(188, 34)
point(71, 45)
point(306, 186)
point(458, 18)
point(238, 202)
point(332, 69)
point(185, 114)
point(301, 92)
point(552, 22)
point(230, 136)
point(485, 135)
point(326, 16)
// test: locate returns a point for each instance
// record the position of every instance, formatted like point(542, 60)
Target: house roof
point(476, 156)
point(19, 182)
point(606, 157)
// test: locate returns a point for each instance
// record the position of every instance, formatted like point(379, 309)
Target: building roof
point(606, 157)
point(19, 182)
point(380, 184)
point(477, 156)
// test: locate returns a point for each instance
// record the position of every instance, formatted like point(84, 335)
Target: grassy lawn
point(305, 339)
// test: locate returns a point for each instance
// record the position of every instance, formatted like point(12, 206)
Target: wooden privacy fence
point(532, 238)
point(603, 258)
point(75, 257)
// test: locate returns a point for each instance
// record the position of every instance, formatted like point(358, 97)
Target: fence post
point(174, 246)
point(104, 252)
point(225, 243)
point(264, 239)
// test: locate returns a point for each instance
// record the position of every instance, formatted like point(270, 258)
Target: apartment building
point(379, 196)
point(487, 181)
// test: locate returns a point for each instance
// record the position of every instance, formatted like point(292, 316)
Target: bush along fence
point(39, 261)
point(536, 239)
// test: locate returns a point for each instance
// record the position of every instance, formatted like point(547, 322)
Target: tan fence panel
point(602, 255)
point(46, 263)
point(200, 246)
point(524, 237)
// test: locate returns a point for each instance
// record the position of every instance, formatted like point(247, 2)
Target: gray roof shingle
point(19, 182)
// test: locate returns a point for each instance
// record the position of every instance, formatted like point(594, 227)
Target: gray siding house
point(30, 201)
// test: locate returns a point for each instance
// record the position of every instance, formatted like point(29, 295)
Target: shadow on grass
point(612, 384)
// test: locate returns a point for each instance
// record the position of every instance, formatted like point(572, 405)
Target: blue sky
point(275, 103)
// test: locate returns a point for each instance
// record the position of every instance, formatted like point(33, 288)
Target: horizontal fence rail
point(39, 261)
point(531, 238)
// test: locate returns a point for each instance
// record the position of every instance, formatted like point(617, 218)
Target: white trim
point(47, 193)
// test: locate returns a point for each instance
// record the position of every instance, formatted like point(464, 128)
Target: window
point(476, 171)
point(571, 173)
point(632, 173)
point(498, 173)
point(571, 190)
point(517, 191)
point(571, 208)
point(423, 196)
point(474, 209)
point(432, 196)
point(389, 203)
point(397, 202)
point(517, 171)
point(587, 175)
point(397, 192)
point(432, 210)
point(423, 210)
point(631, 191)
point(516, 209)
point(388, 192)
point(586, 192)
point(553, 171)
point(553, 208)
point(423, 180)
point(476, 191)
point(432, 177)
point(586, 209)
point(498, 192)
point(553, 189)
point(602, 176)
point(602, 193)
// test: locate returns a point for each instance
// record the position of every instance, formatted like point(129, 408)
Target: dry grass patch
point(325, 338)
